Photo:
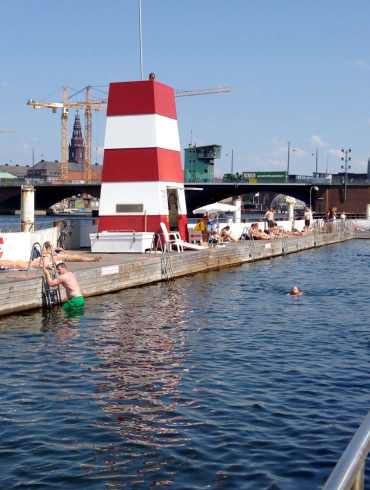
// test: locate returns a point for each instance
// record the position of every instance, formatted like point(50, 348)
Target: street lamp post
point(288, 161)
point(316, 155)
point(312, 188)
point(346, 158)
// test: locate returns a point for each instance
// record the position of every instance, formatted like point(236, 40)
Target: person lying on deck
point(48, 256)
point(278, 231)
point(295, 232)
point(258, 234)
point(60, 254)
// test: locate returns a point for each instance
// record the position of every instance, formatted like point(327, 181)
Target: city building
point(17, 170)
point(77, 147)
point(200, 162)
point(49, 171)
point(6, 176)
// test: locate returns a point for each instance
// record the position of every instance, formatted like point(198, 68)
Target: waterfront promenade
point(22, 291)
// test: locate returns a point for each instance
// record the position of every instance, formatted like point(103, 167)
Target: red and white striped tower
point(142, 179)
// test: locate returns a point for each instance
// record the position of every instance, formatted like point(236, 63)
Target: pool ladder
point(50, 295)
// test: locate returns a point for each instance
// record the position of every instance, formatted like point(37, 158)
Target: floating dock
point(22, 290)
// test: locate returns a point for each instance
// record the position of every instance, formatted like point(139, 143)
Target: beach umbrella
point(215, 208)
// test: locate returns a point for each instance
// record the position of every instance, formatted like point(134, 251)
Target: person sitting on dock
point(226, 235)
point(258, 234)
point(66, 278)
point(213, 238)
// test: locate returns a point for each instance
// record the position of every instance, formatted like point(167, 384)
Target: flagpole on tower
point(141, 43)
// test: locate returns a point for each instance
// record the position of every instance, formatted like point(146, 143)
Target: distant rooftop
point(7, 175)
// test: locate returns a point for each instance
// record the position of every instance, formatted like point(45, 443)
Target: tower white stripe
point(144, 131)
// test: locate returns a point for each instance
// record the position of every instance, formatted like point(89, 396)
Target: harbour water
point(220, 380)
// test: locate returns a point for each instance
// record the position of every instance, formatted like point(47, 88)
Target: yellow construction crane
point(89, 105)
point(65, 105)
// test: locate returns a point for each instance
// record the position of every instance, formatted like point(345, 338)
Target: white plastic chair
point(171, 238)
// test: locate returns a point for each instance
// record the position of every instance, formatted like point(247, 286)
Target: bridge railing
point(31, 181)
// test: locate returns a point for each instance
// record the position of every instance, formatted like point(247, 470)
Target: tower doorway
point(173, 208)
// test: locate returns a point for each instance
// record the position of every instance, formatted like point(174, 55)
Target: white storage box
point(121, 242)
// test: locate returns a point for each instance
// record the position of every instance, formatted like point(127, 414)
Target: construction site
point(75, 162)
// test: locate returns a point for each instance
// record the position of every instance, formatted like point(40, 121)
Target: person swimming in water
point(295, 291)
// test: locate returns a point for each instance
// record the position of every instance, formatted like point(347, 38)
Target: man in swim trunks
point(68, 280)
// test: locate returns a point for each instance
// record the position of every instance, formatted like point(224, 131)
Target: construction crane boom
point(89, 105)
point(204, 91)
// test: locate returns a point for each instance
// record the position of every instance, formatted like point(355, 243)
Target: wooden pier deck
point(22, 291)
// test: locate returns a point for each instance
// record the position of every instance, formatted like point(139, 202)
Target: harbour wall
point(139, 270)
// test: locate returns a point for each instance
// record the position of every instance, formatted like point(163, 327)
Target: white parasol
point(215, 208)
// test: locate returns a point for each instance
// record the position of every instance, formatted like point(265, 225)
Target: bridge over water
point(351, 197)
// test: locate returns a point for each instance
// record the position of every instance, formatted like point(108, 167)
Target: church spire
point(77, 147)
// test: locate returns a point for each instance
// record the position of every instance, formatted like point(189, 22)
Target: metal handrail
point(349, 472)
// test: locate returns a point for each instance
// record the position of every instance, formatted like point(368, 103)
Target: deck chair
point(171, 238)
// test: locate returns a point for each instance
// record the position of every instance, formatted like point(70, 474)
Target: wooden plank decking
point(21, 291)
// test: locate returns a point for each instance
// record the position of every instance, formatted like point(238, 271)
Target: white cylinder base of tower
point(27, 208)
point(237, 202)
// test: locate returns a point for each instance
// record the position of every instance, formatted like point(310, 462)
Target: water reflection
point(55, 321)
point(141, 360)
point(215, 381)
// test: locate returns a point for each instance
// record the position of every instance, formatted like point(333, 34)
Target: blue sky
point(299, 71)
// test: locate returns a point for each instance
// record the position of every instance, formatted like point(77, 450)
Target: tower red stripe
point(142, 165)
point(143, 97)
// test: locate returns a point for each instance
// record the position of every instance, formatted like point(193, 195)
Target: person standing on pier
point(75, 300)
point(270, 218)
point(307, 218)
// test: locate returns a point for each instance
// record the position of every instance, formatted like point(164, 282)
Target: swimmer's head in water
point(295, 291)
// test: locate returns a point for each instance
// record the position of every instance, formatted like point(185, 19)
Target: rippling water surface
point(220, 380)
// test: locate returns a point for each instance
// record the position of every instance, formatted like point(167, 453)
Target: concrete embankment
point(21, 291)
